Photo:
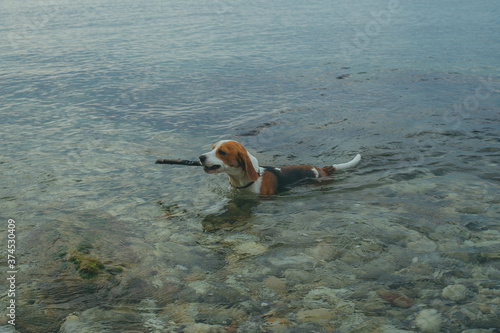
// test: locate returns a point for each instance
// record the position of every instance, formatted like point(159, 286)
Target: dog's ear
point(247, 165)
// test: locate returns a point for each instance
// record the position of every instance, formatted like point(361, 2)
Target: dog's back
point(276, 179)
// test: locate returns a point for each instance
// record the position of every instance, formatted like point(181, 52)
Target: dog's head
point(230, 157)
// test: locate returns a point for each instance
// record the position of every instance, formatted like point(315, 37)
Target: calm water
point(106, 241)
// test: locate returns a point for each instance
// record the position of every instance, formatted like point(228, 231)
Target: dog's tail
point(332, 168)
point(350, 164)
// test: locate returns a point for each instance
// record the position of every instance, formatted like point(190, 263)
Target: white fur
point(237, 176)
point(316, 173)
point(212, 156)
point(349, 164)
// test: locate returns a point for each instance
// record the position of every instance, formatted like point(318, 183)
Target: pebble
point(456, 292)
point(321, 315)
point(326, 297)
point(250, 249)
point(201, 287)
point(322, 251)
point(148, 305)
point(294, 276)
point(396, 298)
point(429, 321)
point(72, 324)
point(276, 284)
point(291, 261)
point(203, 328)
point(422, 246)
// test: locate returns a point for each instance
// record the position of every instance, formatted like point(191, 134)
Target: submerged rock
point(92, 321)
point(396, 298)
point(276, 284)
point(320, 316)
point(204, 328)
point(250, 249)
point(456, 292)
point(328, 297)
point(73, 324)
point(86, 266)
point(476, 315)
point(428, 320)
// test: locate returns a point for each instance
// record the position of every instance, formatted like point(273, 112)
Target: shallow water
point(106, 241)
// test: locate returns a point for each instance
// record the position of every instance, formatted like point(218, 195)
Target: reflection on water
point(234, 215)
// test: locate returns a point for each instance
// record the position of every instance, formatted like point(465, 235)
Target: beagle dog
point(245, 172)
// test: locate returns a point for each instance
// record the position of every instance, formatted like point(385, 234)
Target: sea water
point(93, 92)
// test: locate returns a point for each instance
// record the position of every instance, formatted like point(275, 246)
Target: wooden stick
point(178, 161)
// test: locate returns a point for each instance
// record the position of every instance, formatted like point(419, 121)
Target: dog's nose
point(202, 158)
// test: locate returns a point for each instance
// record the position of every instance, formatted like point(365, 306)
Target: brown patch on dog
point(234, 155)
point(326, 171)
point(269, 183)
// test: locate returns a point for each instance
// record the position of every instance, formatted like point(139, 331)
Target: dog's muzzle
point(208, 168)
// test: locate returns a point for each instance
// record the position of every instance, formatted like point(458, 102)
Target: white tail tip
point(349, 164)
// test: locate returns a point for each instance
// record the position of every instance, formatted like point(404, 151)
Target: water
point(93, 92)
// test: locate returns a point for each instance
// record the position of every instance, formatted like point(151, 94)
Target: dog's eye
point(222, 152)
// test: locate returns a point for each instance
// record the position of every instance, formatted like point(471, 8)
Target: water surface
point(93, 92)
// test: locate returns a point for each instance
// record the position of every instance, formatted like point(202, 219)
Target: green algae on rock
point(86, 267)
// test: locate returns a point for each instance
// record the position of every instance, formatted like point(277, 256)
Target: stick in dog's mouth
point(178, 161)
point(211, 169)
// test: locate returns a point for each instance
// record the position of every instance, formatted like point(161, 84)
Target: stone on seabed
point(72, 324)
point(428, 320)
point(456, 292)
point(321, 315)
point(276, 284)
point(203, 328)
point(250, 248)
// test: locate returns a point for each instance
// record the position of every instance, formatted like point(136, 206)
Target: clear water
point(93, 92)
